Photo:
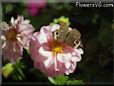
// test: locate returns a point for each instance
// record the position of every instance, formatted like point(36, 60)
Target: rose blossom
point(15, 38)
point(51, 56)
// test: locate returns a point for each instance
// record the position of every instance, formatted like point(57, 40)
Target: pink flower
point(51, 56)
point(34, 6)
point(15, 38)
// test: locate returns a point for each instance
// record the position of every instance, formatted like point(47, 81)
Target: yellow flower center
point(57, 50)
point(56, 46)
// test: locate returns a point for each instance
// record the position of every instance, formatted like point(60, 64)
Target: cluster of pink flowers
point(50, 56)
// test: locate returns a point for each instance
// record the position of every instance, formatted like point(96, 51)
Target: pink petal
point(47, 31)
point(10, 54)
point(19, 19)
point(26, 29)
point(56, 65)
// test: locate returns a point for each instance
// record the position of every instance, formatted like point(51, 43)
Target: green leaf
point(59, 80)
point(52, 80)
point(19, 77)
point(74, 82)
point(7, 70)
point(18, 68)
point(21, 72)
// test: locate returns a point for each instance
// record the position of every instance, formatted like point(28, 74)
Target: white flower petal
point(42, 38)
point(55, 27)
point(3, 37)
point(67, 73)
point(73, 66)
point(77, 55)
point(76, 59)
point(64, 57)
point(71, 70)
point(48, 62)
point(4, 44)
point(12, 21)
point(26, 21)
point(67, 65)
point(44, 52)
point(60, 58)
point(80, 51)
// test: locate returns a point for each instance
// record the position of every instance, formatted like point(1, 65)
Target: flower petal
point(80, 51)
point(46, 30)
point(12, 21)
point(49, 62)
point(71, 69)
point(42, 38)
point(64, 57)
point(26, 29)
point(45, 53)
point(77, 55)
point(55, 27)
point(26, 21)
point(76, 59)
point(67, 65)
point(55, 62)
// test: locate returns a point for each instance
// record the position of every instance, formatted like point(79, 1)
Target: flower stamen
point(57, 50)
point(11, 35)
point(56, 47)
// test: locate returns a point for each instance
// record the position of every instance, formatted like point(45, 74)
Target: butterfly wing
point(63, 34)
point(73, 37)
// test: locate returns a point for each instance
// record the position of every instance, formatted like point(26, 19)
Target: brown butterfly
point(69, 36)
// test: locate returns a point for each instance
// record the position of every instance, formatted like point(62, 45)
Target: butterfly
point(71, 37)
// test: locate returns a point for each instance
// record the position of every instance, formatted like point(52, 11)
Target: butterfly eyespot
point(74, 44)
point(57, 33)
point(77, 42)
